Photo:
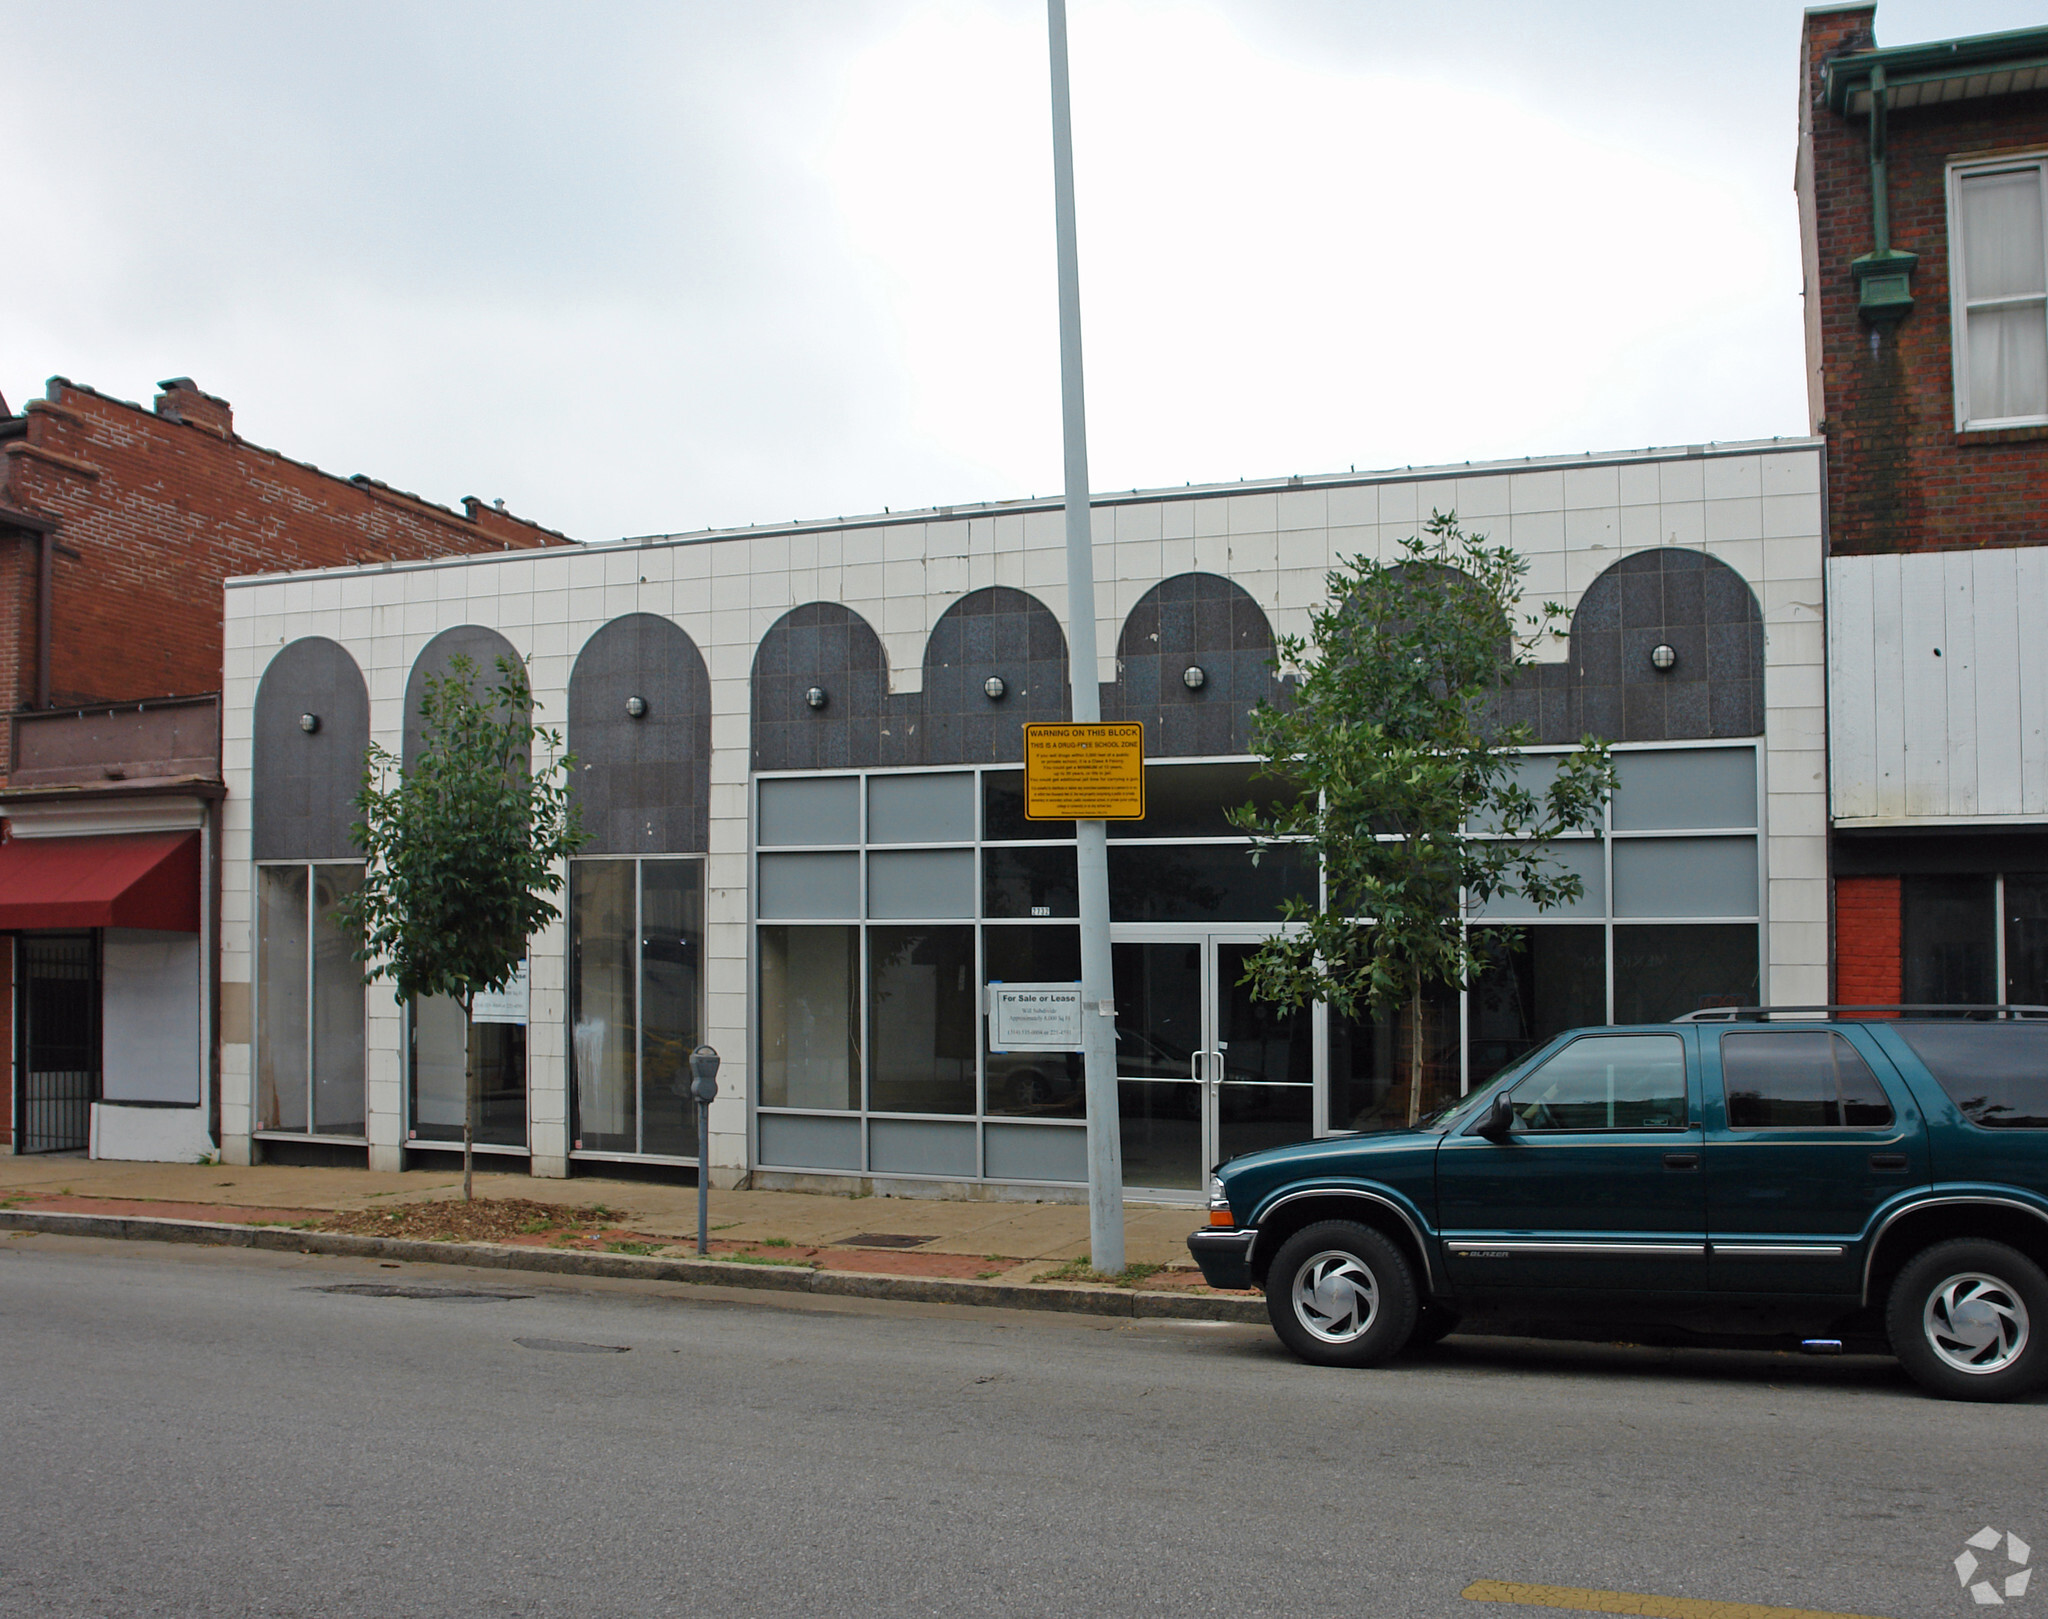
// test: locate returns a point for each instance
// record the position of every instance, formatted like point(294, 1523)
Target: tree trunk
point(468, 1098)
point(1415, 1052)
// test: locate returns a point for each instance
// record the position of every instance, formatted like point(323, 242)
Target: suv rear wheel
point(1966, 1320)
point(1340, 1294)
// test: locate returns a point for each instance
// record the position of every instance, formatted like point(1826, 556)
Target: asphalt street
point(214, 1431)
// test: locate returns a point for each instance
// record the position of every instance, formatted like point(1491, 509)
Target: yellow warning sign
point(1084, 772)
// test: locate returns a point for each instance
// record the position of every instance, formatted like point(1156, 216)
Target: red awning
point(134, 880)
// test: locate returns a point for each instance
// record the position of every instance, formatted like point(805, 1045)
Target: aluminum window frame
point(1959, 172)
point(577, 1152)
point(256, 1003)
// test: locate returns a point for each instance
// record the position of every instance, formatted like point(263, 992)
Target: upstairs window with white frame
point(1998, 238)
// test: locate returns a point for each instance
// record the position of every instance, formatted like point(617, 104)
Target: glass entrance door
point(1204, 1072)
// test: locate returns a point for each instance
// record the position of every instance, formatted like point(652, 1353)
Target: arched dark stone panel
point(1207, 621)
point(481, 646)
point(1693, 603)
point(829, 646)
point(997, 631)
point(303, 796)
point(643, 785)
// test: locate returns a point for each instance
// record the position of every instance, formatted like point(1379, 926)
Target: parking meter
point(704, 1087)
point(704, 1074)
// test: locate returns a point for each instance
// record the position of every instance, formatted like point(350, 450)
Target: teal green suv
point(1751, 1175)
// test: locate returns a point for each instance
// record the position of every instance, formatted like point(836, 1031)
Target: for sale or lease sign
point(1034, 1017)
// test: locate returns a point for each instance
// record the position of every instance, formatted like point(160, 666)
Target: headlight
point(1219, 1203)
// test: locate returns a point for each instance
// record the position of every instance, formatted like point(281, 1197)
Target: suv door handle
point(1887, 1160)
point(1681, 1160)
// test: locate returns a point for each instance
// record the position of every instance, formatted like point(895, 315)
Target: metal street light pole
point(1098, 991)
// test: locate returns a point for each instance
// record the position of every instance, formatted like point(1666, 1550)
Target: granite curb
point(1107, 1301)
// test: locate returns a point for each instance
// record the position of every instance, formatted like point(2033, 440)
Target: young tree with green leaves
point(1411, 796)
point(464, 848)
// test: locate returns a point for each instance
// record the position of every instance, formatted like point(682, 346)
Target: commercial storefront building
point(797, 752)
point(117, 526)
point(1923, 191)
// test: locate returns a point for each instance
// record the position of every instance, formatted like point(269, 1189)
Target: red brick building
point(1923, 205)
point(117, 527)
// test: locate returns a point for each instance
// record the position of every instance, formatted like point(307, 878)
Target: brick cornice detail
point(63, 463)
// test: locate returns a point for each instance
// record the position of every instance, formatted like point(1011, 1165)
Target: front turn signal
point(1221, 1217)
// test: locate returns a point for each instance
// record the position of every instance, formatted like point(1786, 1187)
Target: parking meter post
point(703, 1180)
point(704, 1087)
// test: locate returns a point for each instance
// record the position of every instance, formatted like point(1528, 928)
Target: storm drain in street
point(401, 1290)
point(881, 1239)
point(569, 1346)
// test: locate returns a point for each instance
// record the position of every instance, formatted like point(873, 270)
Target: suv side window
point(1995, 1073)
point(1799, 1079)
point(1607, 1082)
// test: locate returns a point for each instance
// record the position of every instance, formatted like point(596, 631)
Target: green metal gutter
point(1947, 70)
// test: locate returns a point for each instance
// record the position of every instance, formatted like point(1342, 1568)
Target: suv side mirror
point(1498, 1121)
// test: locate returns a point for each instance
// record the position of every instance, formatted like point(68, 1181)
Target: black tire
point(1966, 1319)
point(1433, 1324)
point(1340, 1294)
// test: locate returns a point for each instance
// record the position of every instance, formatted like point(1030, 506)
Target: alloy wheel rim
point(1336, 1297)
point(1975, 1323)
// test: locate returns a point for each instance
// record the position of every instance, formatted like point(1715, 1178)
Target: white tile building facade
point(1754, 507)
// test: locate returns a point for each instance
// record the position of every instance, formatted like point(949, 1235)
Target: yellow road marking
point(1651, 1607)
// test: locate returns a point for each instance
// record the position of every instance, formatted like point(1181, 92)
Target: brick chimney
point(181, 401)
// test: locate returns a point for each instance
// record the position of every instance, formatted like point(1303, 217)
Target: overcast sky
point(639, 268)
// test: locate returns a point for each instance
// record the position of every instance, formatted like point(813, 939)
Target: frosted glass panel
point(1580, 855)
point(1685, 788)
point(929, 882)
point(1685, 877)
point(801, 885)
point(920, 809)
point(809, 810)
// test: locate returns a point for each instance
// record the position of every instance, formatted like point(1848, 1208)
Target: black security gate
point(57, 1019)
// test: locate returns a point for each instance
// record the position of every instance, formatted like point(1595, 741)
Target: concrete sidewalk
point(1028, 1239)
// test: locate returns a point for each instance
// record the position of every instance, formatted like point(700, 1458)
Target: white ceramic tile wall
point(1754, 507)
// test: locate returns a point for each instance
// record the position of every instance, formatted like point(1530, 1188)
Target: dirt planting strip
point(1109, 1301)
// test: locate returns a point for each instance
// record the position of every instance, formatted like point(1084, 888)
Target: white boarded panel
point(2030, 595)
point(1993, 579)
point(1853, 764)
point(1923, 614)
point(1957, 736)
point(1883, 643)
point(1959, 665)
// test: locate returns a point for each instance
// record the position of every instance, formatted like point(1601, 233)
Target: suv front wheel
point(1340, 1294)
point(1966, 1320)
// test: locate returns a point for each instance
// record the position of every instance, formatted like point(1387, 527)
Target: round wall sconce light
point(815, 697)
point(1662, 657)
point(994, 687)
point(309, 723)
point(1193, 677)
point(636, 706)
